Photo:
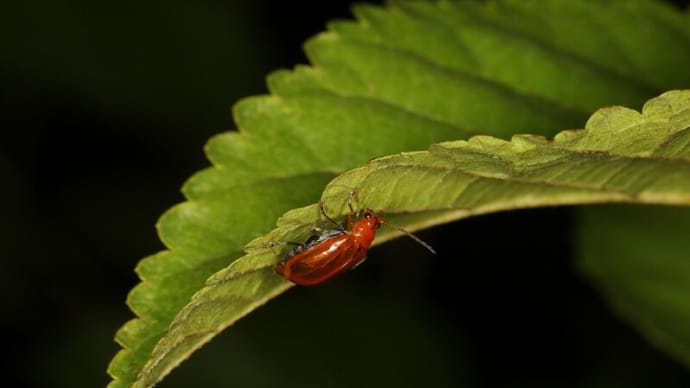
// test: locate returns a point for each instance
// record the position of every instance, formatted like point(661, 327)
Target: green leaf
point(645, 279)
point(621, 156)
point(399, 79)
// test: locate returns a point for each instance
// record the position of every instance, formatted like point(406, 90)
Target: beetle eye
point(367, 215)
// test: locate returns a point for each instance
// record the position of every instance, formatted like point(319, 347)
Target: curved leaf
point(399, 79)
point(621, 156)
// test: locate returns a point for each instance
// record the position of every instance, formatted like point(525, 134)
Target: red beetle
point(333, 252)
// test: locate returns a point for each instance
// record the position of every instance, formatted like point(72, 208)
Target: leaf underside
point(459, 70)
point(622, 156)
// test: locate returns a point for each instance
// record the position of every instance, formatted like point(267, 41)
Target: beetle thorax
point(364, 230)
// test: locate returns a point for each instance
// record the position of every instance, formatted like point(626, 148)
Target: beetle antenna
point(412, 236)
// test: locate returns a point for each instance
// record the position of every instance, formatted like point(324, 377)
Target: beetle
point(333, 252)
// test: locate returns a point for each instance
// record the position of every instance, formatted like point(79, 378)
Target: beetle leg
point(360, 262)
point(336, 223)
point(274, 244)
point(353, 194)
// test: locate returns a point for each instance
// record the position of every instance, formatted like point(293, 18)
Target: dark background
point(105, 110)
